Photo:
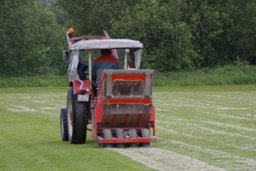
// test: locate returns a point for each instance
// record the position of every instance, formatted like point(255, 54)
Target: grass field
point(213, 126)
point(216, 124)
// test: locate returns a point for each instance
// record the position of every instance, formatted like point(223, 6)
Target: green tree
point(177, 34)
point(245, 31)
point(168, 40)
point(223, 30)
point(31, 41)
point(92, 16)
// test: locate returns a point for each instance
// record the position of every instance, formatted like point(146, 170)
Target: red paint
point(106, 59)
point(101, 99)
point(79, 88)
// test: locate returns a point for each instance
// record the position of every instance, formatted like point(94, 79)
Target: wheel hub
point(127, 134)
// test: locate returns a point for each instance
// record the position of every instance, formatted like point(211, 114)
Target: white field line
point(167, 108)
point(161, 109)
point(164, 160)
point(26, 109)
point(192, 101)
point(48, 113)
point(196, 102)
point(161, 92)
point(201, 103)
point(221, 115)
point(232, 108)
point(231, 96)
point(245, 117)
point(219, 96)
point(49, 108)
point(219, 101)
point(40, 101)
point(168, 130)
point(183, 104)
point(219, 124)
point(225, 115)
point(225, 125)
point(21, 109)
point(243, 147)
point(212, 131)
point(246, 146)
point(239, 163)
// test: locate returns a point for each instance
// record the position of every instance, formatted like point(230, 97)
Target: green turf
point(214, 124)
point(30, 140)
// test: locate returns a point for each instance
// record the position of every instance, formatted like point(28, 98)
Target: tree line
point(177, 34)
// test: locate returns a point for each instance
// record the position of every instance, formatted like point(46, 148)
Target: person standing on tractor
point(105, 61)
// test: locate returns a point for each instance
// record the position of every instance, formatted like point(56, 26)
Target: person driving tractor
point(105, 61)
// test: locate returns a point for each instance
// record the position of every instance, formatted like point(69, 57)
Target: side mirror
point(66, 56)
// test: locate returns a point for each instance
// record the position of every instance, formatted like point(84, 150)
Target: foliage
point(177, 34)
point(168, 43)
point(31, 41)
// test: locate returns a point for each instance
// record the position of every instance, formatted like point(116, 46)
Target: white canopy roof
point(107, 44)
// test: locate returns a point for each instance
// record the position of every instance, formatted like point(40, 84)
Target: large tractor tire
point(77, 118)
point(63, 124)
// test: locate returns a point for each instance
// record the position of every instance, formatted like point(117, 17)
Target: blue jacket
point(104, 62)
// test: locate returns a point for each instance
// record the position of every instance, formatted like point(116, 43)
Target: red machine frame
point(102, 99)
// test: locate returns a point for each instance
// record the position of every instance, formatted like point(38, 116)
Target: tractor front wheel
point(63, 124)
point(77, 118)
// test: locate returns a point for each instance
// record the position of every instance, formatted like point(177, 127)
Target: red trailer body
point(124, 102)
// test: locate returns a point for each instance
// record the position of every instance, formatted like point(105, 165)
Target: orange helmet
point(70, 31)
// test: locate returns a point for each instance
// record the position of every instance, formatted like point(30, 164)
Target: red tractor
point(118, 105)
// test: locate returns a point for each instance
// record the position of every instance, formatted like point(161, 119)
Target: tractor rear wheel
point(63, 124)
point(77, 118)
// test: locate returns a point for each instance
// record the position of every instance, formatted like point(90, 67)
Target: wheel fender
point(81, 87)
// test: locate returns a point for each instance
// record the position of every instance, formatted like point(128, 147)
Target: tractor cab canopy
point(107, 44)
point(127, 51)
